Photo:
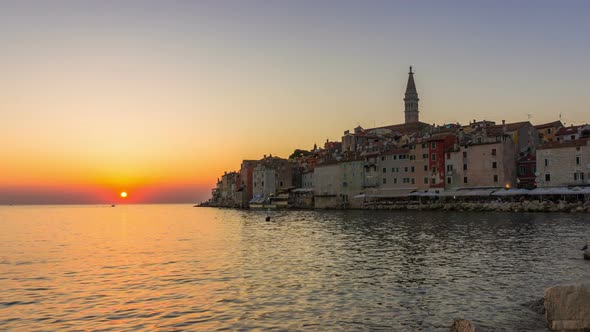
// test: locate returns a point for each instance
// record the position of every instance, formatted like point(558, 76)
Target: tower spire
point(411, 100)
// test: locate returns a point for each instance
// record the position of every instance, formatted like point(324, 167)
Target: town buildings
point(564, 164)
point(404, 161)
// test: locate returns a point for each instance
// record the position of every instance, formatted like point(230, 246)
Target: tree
point(298, 153)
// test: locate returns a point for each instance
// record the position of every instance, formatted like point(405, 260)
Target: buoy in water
point(267, 218)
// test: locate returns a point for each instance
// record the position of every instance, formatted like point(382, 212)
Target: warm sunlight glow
point(123, 194)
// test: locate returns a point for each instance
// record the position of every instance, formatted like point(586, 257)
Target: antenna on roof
point(529, 116)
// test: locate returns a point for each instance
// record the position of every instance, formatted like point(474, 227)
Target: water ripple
point(180, 268)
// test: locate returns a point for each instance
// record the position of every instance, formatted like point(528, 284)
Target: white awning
point(511, 192)
point(467, 193)
point(561, 191)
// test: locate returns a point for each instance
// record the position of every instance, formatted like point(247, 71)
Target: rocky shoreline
point(494, 206)
point(483, 206)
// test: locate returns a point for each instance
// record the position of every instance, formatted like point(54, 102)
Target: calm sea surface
point(175, 267)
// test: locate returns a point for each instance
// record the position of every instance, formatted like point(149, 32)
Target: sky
point(159, 98)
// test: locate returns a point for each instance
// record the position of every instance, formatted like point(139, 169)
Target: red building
point(437, 147)
point(525, 176)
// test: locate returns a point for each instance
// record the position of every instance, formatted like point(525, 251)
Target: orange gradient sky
point(158, 99)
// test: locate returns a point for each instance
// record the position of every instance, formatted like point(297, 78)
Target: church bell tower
point(411, 100)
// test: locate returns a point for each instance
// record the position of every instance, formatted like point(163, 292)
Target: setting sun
point(123, 194)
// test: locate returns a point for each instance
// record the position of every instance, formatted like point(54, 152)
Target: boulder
point(463, 325)
point(567, 307)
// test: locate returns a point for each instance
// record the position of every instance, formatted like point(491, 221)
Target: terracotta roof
point(439, 136)
point(566, 144)
point(550, 125)
point(498, 129)
point(405, 128)
point(569, 130)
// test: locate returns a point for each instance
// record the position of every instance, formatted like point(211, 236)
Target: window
point(521, 170)
point(382, 158)
point(413, 169)
point(433, 180)
point(495, 178)
point(465, 180)
point(425, 168)
point(281, 184)
point(406, 169)
point(384, 180)
point(425, 155)
point(413, 181)
point(449, 168)
point(433, 156)
point(393, 170)
point(433, 145)
point(394, 180)
point(464, 167)
point(546, 162)
point(578, 176)
point(464, 154)
point(547, 177)
point(494, 164)
point(448, 156)
point(479, 140)
point(412, 157)
point(577, 160)
point(425, 180)
point(433, 169)
point(394, 157)
point(424, 145)
point(384, 170)
point(573, 137)
point(548, 130)
point(493, 152)
point(449, 180)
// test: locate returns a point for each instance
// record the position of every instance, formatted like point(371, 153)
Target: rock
point(463, 325)
point(537, 306)
point(567, 307)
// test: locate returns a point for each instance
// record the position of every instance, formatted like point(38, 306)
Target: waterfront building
point(420, 161)
point(247, 179)
point(489, 162)
point(564, 163)
point(352, 180)
point(391, 174)
point(547, 131)
point(326, 185)
point(229, 194)
point(526, 169)
point(438, 145)
point(270, 176)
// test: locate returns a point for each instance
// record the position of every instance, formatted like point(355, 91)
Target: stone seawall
point(500, 206)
